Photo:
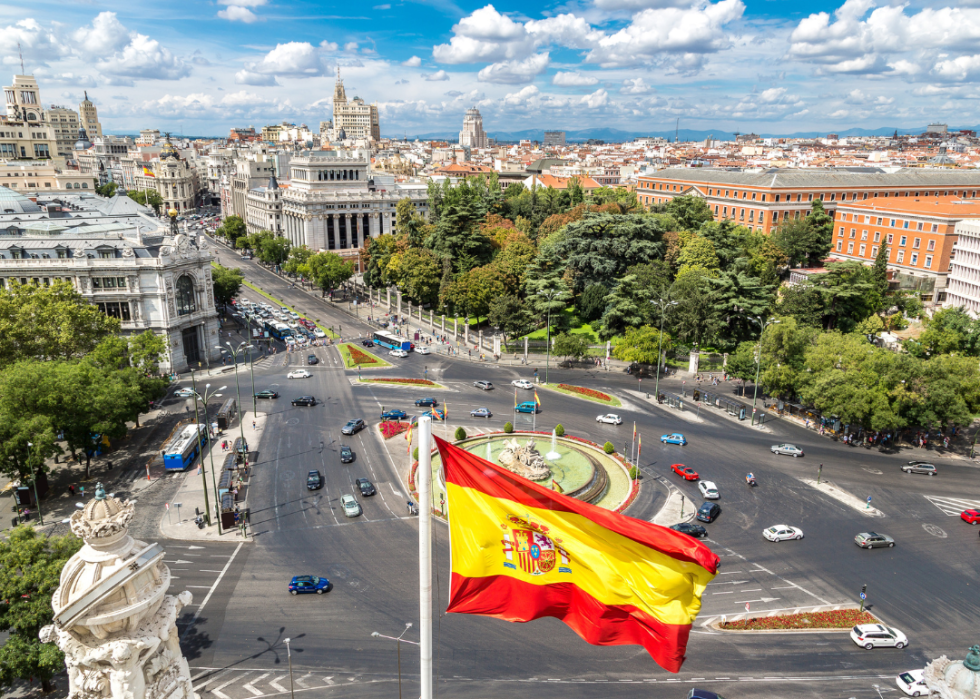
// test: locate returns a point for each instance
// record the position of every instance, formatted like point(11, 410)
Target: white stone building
point(353, 120)
point(89, 118)
point(963, 283)
point(64, 125)
point(120, 258)
point(172, 176)
point(263, 208)
point(473, 135)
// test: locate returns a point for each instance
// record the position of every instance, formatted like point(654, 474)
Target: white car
point(870, 636)
point(610, 419)
point(289, 340)
point(398, 353)
point(422, 350)
point(319, 333)
point(299, 374)
point(911, 683)
point(350, 506)
point(522, 383)
point(788, 449)
point(709, 490)
point(294, 315)
point(184, 393)
point(782, 532)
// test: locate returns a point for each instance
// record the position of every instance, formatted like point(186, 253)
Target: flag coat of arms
point(521, 551)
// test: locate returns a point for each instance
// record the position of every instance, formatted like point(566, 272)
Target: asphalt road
point(927, 585)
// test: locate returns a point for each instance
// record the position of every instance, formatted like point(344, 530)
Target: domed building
point(171, 176)
point(959, 679)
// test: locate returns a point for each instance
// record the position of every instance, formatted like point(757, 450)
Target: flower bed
point(410, 382)
point(840, 619)
point(359, 357)
point(390, 429)
point(585, 393)
point(356, 358)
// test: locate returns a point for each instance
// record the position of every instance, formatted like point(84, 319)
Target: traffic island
point(584, 393)
point(823, 620)
point(356, 358)
point(407, 383)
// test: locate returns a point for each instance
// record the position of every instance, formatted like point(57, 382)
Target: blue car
point(394, 415)
point(673, 438)
point(528, 407)
point(302, 584)
point(438, 414)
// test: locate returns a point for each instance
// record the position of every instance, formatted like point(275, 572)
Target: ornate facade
point(473, 135)
point(353, 120)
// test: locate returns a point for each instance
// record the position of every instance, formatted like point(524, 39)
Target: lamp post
point(399, 640)
point(37, 500)
point(234, 353)
point(758, 361)
point(204, 479)
point(551, 295)
point(664, 305)
point(208, 395)
point(289, 656)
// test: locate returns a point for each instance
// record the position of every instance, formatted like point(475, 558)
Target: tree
point(879, 276)
point(598, 248)
point(847, 292)
point(642, 344)
point(592, 302)
point(695, 317)
point(511, 315)
point(571, 346)
point(30, 572)
point(806, 241)
point(474, 291)
point(738, 297)
point(456, 233)
point(408, 222)
point(420, 275)
point(690, 211)
point(804, 303)
point(626, 308)
point(700, 253)
point(232, 228)
point(329, 271)
point(146, 197)
point(227, 282)
point(107, 190)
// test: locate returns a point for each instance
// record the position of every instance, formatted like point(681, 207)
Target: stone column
point(443, 324)
point(525, 348)
point(360, 232)
point(398, 292)
point(332, 244)
point(409, 313)
point(466, 333)
point(420, 315)
point(455, 328)
point(432, 324)
point(388, 290)
point(480, 342)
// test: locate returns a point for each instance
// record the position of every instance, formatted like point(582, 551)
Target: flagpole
point(633, 445)
point(425, 553)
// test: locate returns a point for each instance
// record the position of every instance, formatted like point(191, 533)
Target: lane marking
point(251, 688)
point(200, 609)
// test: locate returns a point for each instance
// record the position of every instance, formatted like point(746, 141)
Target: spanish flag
point(536, 399)
point(147, 172)
point(521, 551)
point(409, 437)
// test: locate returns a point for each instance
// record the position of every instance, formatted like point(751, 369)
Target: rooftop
point(945, 207)
point(825, 177)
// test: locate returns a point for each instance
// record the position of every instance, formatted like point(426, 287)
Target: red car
point(971, 516)
point(681, 470)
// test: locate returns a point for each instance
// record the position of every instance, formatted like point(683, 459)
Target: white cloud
point(144, 58)
point(438, 76)
point(243, 3)
point(959, 69)
point(634, 5)
point(236, 13)
point(599, 98)
point(247, 77)
point(635, 86)
point(574, 79)
point(514, 72)
point(382, 7)
point(773, 94)
point(413, 62)
point(105, 35)
point(350, 46)
point(36, 42)
point(298, 59)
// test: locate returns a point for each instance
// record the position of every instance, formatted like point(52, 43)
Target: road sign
point(864, 596)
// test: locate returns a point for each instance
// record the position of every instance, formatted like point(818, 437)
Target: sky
point(768, 66)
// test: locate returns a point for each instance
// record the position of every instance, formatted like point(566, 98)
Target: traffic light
point(864, 589)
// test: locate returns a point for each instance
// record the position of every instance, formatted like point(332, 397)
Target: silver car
point(920, 467)
point(788, 449)
point(874, 540)
point(350, 505)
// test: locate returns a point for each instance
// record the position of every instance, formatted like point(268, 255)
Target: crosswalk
point(952, 507)
point(234, 683)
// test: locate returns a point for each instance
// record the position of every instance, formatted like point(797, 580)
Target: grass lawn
point(349, 362)
point(412, 383)
point(613, 400)
point(279, 302)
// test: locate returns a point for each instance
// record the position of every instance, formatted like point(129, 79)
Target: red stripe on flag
point(600, 624)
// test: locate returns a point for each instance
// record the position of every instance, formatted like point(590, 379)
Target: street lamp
point(758, 361)
point(664, 305)
point(37, 500)
point(289, 656)
point(234, 354)
point(400, 641)
point(208, 395)
point(551, 295)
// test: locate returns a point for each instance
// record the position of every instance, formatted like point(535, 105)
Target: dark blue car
point(302, 584)
point(394, 415)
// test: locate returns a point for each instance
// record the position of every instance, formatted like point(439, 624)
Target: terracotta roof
point(941, 207)
point(562, 182)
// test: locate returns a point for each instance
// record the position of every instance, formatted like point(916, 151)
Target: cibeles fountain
point(113, 618)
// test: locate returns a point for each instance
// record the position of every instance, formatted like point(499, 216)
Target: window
point(864, 235)
point(62, 254)
point(841, 231)
point(879, 220)
point(106, 254)
point(905, 225)
point(892, 223)
point(799, 197)
point(850, 248)
point(903, 240)
point(935, 228)
point(41, 150)
point(777, 197)
point(900, 257)
point(115, 309)
point(928, 262)
point(840, 244)
point(862, 250)
point(724, 211)
point(915, 243)
point(914, 259)
point(877, 236)
point(7, 150)
point(874, 251)
point(185, 296)
point(919, 226)
point(891, 237)
point(753, 196)
point(853, 232)
point(932, 245)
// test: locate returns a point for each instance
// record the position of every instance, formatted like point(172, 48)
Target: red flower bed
point(359, 357)
point(598, 395)
point(841, 619)
point(634, 491)
point(413, 382)
point(390, 429)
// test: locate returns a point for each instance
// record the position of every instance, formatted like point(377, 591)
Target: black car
point(428, 402)
point(268, 394)
point(305, 400)
point(695, 530)
point(312, 359)
point(708, 512)
point(314, 481)
point(352, 426)
point(367, 343)
point(346, 455)
point(366, 487)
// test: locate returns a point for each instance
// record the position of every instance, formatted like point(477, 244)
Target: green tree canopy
point(232, 228)
point(146, 197)
point(227, 282)
point(571, 346)
point(626, 307)
point(592, 303)
point(509, 313)
point(689, 212)
point(328, 270)
point(641, 345)
point(420, 275)
point(806, 241)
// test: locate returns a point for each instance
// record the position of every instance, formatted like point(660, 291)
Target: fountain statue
point(113, 618)
point(525, 460)
point(553, 455)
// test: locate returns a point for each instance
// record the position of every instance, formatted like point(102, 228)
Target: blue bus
point(391, 341)
point(184, 448)
point(280, 331)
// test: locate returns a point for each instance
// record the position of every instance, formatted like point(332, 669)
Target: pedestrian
point(253, 424)
point(71, 489)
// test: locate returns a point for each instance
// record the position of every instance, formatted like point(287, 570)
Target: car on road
point(522, 383)
point(319, 333)
point(708, 490)
point(481, 412)
point(365, 486)
point(673, 438)
point(436, 413)
point(303, 584)
point(526, 407)
point(787, 449)
point(394, 415)
point(484, 385)
point(314, 481)
point(350, 505)
point(308, 401)
point(184, 393)
point(970, 516)
point(688, 473)
point(912, 683)
point(346, 454)
point(695, 530)
point(423, 350)
point(426, 402)
point(610, 419)
point(400, 353)
point(367, 343)
point(782, 532)
point(267, 393)
point(311, 359)
point(920, 467)
point(874, 540)
point(299, 374)
point(353, 426)
point(703, 694)
point(871, 636)
point(708, 512)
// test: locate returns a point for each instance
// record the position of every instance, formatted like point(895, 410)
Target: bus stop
point(226, 416)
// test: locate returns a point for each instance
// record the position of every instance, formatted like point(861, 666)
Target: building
point(172, 176)
point(252, 171)
point(102, 160)
point(244, 135)
point(335, 202)
point(473, 135)
point(963, 284)
point(263, 208)
point(33, 177)
point(761, 199)
point(353, 120)
point(148, 137)
point(544, 181)
point(64, 126)
point(554, 138)
point(89, 118)
point(24, 131)
point(120, 258)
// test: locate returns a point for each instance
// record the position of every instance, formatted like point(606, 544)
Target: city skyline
point(633, 65)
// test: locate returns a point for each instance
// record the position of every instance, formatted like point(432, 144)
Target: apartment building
point(353, 120)
point(963, 285)
point(64, 125)
point(32, 177)
point(253, 170)
point(88, 117)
